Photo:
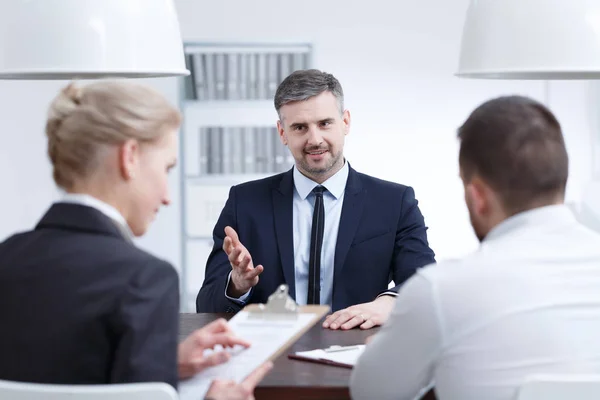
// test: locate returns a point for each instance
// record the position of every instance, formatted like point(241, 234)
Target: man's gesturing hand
point(244, 275)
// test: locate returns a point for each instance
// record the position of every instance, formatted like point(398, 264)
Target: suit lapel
point(352, 209)
point(283, 197)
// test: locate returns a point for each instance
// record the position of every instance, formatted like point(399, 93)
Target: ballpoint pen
point(334, 349)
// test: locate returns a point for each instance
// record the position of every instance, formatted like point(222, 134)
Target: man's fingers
point(234, 256)
point(227, 245)
point(341, 318)
point(229, 231)
point(330, 319)
point(256, 376)
point(368, 324)
point(240, 259)
point(353, 322)
point(253, 273)
point(245, 263)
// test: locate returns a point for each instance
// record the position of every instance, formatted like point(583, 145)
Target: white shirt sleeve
point(408, 344)
point(242, 299)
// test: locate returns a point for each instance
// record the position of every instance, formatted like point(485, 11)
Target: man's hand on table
point(366, 315)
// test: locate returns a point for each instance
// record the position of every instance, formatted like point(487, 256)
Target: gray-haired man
point(335, 236)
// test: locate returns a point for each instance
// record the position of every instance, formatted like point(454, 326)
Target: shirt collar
point(334, 185)
point(553, 214)
point(105, 208)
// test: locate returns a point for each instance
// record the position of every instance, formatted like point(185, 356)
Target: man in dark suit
point(333, 235)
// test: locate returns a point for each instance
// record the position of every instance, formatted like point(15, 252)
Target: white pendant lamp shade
point(68, 39)
point(531, 39)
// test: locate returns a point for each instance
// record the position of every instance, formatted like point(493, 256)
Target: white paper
point(349, 357)
point(266, 338)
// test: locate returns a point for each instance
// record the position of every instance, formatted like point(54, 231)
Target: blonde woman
point(80, 304)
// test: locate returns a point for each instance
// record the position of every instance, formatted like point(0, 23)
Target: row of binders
point(242, 150)
point(240, 76)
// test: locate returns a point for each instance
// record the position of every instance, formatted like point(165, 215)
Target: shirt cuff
point(389, 293)
point(240, 300)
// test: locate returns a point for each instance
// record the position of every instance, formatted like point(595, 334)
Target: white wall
point(27, 188)
point(395, 61)
point(25, 177)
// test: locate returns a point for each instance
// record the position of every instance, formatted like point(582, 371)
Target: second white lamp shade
point(66, 39)
point(531, 39)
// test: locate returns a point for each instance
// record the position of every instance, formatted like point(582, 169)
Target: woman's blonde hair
point(85, 120)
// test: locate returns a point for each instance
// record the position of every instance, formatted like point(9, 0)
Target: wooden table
point(293, 379)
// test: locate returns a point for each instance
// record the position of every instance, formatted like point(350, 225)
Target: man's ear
point(282, 135)
point(479, 194)
point(346, 120)
point(129, 159)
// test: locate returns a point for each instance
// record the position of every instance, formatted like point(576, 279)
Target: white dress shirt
point(527, 302)
point(105, 208)
point(304, 205)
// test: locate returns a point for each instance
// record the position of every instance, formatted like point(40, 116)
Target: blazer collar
point(82, 218)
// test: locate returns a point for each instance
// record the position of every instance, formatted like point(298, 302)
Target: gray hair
point(304, 84)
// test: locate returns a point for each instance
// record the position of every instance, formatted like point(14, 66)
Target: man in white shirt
point(527, 302)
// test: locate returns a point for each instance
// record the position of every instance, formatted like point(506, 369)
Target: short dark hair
point(306, 83)
point(515, 144)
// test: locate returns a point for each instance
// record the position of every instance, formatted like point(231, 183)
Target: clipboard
point(337, 356)
point(280, 306)
point(271, 329)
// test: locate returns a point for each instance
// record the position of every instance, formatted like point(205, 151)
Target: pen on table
point(334, 349)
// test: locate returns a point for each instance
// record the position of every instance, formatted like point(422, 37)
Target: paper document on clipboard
point(269, 330)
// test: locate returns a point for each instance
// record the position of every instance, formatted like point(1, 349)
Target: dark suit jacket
point(382, 237)
point(82, 305)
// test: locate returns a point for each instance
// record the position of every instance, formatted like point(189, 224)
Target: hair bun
point(73, 92)
point(63, 106)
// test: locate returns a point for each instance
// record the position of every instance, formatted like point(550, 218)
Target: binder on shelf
point(269, 150)
point(298, 61)
point(203, 147)
point(285, 66)
point(226, 154)
point(197, 64)
point(252, 76)
point(209, 68)
point(237, 152)
point(262, 83)
point(249, 150)
point(233, 81)
point(220, 92)
point(243, 76)
point(272, 74)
